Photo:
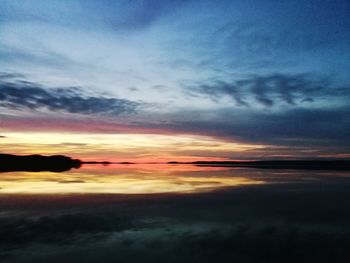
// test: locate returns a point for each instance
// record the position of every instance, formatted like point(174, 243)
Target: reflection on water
point(226, 215)
point(151, 178)
point(125, 179)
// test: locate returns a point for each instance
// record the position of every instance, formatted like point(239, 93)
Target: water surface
point(175, 213)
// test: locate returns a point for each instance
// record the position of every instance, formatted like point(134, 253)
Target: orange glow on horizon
point(139, 148)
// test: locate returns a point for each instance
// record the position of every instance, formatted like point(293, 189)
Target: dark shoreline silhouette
point(61, 163)
point(37, 163)
point(335, 165)
point(290, 164)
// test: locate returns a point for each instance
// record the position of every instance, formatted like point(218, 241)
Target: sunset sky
point(175, 80)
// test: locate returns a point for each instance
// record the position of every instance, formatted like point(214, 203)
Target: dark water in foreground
point(175, 214)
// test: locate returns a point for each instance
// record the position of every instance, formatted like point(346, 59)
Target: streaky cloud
point(293, 127)
point(24, 95)
point(270, 90)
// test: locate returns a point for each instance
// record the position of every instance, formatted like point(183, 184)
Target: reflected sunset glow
point(119, 179)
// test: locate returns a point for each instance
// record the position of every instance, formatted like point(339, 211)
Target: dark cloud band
point(23, 95)
point(270, 90)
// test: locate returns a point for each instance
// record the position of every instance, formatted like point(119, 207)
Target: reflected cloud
point(156, 179)
point(124, 179)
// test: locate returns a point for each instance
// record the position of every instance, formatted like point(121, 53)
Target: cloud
point(142, 14)
point(267, 35)
point(293, 127)
point(270, 90)
point(117, 15)
point(23, 95)
point(7, 75)
point(265, 39)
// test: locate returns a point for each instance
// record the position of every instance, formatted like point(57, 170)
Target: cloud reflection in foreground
point(292, 216)
point(123, 179)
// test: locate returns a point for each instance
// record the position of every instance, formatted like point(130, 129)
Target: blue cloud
point(24, 95)
point(272, 89)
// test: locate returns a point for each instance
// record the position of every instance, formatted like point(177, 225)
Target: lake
point(175, 213)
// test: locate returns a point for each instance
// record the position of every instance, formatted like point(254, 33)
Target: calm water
point(175, 213)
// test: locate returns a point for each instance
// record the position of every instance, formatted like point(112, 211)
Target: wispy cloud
point(270, 90)
point(24, 95)
point(292, 127)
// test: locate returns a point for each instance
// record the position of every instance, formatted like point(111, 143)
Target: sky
point(185, 80)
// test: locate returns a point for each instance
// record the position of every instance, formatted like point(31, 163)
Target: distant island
point(277, 164)
point(37, 163)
